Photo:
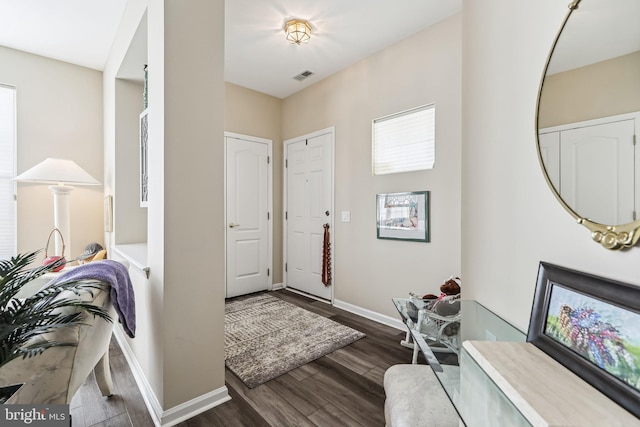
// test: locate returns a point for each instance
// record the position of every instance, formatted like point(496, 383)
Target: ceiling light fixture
point(298, 31)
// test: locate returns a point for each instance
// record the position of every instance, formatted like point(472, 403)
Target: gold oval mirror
point(587, 116)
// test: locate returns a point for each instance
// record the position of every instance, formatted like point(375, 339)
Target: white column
point(61, 217)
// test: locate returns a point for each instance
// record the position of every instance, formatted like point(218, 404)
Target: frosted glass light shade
point(57, 171)
point(298, 31)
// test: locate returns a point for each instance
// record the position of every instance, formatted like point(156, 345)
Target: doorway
point(248, 214)
point(308, 179)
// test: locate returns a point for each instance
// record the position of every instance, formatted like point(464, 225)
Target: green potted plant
point(23, 319)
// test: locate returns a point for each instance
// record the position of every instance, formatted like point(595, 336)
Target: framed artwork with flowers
point(591, 325)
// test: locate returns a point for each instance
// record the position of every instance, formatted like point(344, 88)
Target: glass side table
point(473, 322)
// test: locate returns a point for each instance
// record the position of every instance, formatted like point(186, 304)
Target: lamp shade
point(57, 171)
point(298, 31)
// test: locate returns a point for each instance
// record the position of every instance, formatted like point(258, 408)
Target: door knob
point(233, 225)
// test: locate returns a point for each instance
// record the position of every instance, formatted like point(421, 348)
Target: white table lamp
point(59, 172)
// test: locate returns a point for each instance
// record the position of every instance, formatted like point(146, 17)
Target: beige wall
point(603, 89)
point(59, 115)
point(184, 295)
point(252, 113)
point(511, 220)
point(193, 215)
point(422, 69)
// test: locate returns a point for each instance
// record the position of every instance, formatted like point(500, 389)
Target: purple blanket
point(117, 276)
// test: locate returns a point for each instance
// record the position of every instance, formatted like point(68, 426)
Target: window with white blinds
point(405, 141)
point(7, 171)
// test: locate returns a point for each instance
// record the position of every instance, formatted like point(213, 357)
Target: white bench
point(415, 398)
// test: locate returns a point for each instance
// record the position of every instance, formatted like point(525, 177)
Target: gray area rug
point(266, 337)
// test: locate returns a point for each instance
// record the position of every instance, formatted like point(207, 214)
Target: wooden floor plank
point(322, 308)
point(358, 384)
point(276, 411)
point(380, 354)
point(97, 408)
point(304, 371)
point(76, 401)
point(367, 326)
point(294, 298)
point(376, 375)
point(329, 415)
point(126, 387)
point(339, 392)
point(77, 417)
point(351, 360)
point(117, 421)
point(293, 391)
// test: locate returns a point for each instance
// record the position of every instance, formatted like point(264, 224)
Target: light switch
point(346, 216)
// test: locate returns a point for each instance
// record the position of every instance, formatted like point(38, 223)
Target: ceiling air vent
point(303, 75)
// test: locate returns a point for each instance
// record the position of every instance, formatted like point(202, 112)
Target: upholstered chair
point(54, 376)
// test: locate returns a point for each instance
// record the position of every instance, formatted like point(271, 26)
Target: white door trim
point(269, 200)
point(599, 121)
point(332, 131)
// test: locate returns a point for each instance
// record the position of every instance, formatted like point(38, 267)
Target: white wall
point(511, 221)
point(59, 115)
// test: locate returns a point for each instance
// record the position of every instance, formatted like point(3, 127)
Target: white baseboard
point(369, 314)
point(177, 414)
point(196, 406)
point(277, 286)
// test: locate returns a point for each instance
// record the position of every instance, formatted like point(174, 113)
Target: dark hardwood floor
point(343, 388)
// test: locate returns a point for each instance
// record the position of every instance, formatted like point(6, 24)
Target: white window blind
point(405, 141)
point(7, 171)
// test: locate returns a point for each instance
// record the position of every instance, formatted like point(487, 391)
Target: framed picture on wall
point(403, 216)
point(144, 150)
point(591, 325)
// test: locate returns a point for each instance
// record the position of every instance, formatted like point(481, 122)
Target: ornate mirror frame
point(609, 236)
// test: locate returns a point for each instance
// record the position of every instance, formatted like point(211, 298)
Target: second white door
point(248, 214)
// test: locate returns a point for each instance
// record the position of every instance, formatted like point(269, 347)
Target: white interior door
point(550, 153)
point(309, 205)
point(248, 214)
point(597, 171)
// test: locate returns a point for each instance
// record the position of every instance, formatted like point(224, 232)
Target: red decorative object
point(53, 258)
